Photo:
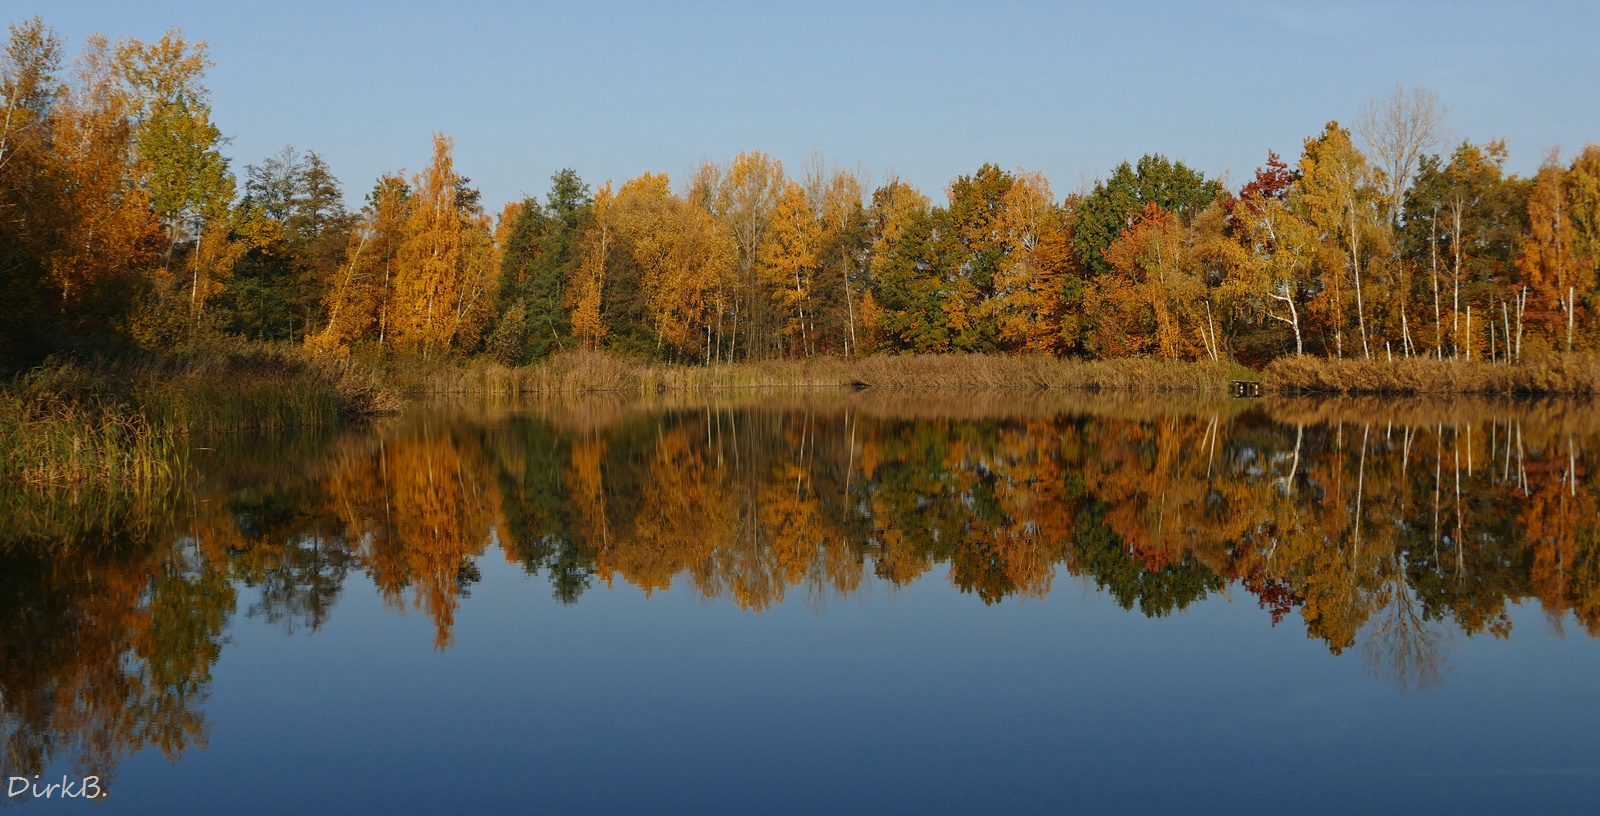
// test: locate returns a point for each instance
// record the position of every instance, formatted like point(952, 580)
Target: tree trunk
point(1294, 315)
point(850, 309)
point(1522, 306)
point(1455, 303)
point(1355, 266)
point(1438, 314)
point(1505, 313)
point(1405, 332)
point(1572, 307)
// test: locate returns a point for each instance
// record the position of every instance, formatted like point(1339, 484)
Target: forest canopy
point(124, 228)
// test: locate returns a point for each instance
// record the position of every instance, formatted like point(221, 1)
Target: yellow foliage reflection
point(1383, 537)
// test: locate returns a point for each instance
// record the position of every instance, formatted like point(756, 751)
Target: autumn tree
point(29, 190)
point(1583, 197)
point(745, 196)
point(1337, 196)
point(1114, 203)
point(971, 251)
point(788, 260)
point(1153, 301)
point(588, 281)
point(1030, 279)
point(445, 266)
point(77, 176)
point(179, 149)
point(906, 281)
point(360, 300)
point(1271, 266)
point(1549, 263)
point(841, 262)
point(108, 235)
point(681, 258)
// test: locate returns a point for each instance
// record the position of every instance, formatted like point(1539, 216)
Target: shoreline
point(123, 424)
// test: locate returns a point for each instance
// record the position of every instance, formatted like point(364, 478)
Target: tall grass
point(590, 371)
point(65, 427)
point(1577, 375)
point(260, 388)
point(123, 422)
point(998, 372)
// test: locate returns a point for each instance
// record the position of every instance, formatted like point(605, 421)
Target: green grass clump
point(65, 427)
point(123, 423)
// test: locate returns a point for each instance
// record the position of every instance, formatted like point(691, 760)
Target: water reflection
point(1388, 528)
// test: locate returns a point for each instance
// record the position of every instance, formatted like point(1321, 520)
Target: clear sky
point(925, 91)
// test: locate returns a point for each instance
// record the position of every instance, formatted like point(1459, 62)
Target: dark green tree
point(905, 270)
point(1106, 211)
point(539, 252)
point(278, 286)
point(971, 252)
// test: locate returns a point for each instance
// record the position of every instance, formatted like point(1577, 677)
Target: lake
point(927, 602)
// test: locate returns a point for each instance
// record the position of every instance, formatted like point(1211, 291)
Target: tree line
point(123, 226)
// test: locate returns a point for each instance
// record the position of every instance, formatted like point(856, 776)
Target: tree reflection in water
point(1387, 527)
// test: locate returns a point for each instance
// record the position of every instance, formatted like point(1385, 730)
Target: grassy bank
point(124, 422)
point(64, 426)
point(1571, 375)
point(584, 371)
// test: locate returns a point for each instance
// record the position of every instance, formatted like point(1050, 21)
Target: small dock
point(1246, 388)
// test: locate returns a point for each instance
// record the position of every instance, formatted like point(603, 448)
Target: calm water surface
point(928, 603)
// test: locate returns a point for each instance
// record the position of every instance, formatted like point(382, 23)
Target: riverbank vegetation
point(123, 422)
point(1563, 374)
point(1380, 260)
point(578, 371)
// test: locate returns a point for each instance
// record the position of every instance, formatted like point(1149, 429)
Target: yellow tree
point(1038, 258)
point(444, 266)
point(1548, 263)
point(788, 257)
point(1270, 261)
point(683, 257)
point(480, 280)
point(839, 249)
point(1583, 196)
point(589, 276)
point(358, 300)
point(1336, 194)
point(108, 231)
point(746, 196)
point(1151, 299)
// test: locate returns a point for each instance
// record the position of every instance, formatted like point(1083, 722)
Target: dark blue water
point(876, 693)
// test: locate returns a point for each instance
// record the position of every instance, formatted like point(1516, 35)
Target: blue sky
point(922, 91)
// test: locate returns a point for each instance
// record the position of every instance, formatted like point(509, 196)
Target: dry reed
point(120, 423)
point(1577, 375)
point(589, 371)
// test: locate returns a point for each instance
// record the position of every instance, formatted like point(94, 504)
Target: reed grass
point(1551, 374)
point(65, 427)
point(1039, 372)
point(262, 388)
point(590, 371)
point(124, 422)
